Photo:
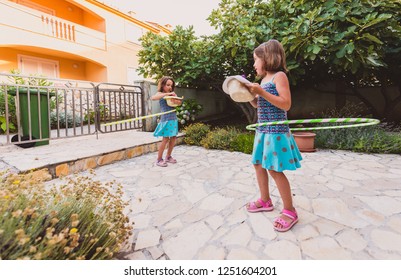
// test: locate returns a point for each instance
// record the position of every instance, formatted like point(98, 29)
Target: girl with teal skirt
point(168, 125)
point(274, 148)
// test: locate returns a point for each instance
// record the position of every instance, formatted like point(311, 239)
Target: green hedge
point(228, 138)
point(371, 139)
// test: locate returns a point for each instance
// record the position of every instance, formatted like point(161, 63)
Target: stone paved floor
point(349, 206)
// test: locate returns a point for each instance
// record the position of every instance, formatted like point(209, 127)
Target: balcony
point(22, 25)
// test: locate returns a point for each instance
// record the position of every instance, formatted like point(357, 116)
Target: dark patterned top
point(267, 112)
point(164, 108)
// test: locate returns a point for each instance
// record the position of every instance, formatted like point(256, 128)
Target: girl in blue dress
point(168, 125)
point(274, 148)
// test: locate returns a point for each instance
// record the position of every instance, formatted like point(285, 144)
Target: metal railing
point(34, 110)
point(118, 102)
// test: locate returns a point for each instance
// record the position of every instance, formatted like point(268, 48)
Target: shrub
point(243, 143)
point(79, 219)
point(229, 138)
point(62, 119)
point(103, 110)
point(380, 138)
point(220, 138)
point(12, 117)
point(372, 139)
point(194, 133)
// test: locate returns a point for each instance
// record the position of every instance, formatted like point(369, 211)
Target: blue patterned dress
point(274, 146)
point(168, 125)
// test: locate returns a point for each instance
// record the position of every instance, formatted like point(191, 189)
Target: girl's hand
point(170, 94)
point(254, 88)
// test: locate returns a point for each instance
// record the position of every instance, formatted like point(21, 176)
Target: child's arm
point(254, 102)
point(161, 95)
point(283, 100)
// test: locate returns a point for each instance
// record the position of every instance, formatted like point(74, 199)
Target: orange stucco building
point(81, 40)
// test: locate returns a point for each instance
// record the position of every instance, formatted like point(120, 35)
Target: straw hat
point(173, 101)
point(233, 85)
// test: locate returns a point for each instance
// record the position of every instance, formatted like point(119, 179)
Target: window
point(30, 65)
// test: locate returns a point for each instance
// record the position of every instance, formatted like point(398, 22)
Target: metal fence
point(117, 102)
point(34, 110)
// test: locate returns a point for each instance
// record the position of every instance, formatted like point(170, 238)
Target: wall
point(8, 59)
point(307, 102)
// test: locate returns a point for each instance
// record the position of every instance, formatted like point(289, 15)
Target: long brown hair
point(273, 55)
point(163, 82)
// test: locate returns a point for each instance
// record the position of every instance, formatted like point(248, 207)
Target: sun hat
point(173, 101)
point(234, 86)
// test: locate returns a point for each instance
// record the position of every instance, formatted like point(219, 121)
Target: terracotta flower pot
point(305, 141)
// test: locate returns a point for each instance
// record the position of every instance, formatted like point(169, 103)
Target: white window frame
point(38, 60)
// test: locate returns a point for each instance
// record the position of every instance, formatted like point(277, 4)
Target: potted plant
point(305, 141)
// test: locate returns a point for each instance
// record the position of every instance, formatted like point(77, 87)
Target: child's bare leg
point(171, 145)
point(161, 148)
point(284, 188)
point(263, 183)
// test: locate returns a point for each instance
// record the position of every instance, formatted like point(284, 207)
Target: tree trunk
point(249, 111)
point(368, 104)
point(246, 108)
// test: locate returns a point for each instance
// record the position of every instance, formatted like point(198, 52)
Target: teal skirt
point(166, 129)
point(276, 152)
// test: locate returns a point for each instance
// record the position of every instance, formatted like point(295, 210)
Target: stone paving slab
point(349, 206)
point(69, 155)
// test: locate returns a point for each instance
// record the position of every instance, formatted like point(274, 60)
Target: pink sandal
point(264, 206)
point(170, 159)
point(286, 225)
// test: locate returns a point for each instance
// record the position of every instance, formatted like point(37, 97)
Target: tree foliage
point(352, 42)
point(182, 55)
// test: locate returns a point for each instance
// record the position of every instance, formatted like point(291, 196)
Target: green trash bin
point(36, 105)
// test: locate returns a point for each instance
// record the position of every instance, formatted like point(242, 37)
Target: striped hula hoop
point(137, 118)
point(350, 122)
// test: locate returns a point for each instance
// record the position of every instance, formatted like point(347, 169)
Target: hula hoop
point(358, 122)
point(138, 118)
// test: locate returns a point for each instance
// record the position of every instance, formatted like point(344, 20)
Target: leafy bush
point(62, 119)
point(187, 112)
point(380, 138)
point(103, 110)
point(243, 143)
point(372, 139)
point(229, 138)
point(194, 133)
point(12, 117)
point(81, 219)
point(220, 138)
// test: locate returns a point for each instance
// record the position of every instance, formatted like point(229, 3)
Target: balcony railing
point(24, 19)
point(59, 28)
